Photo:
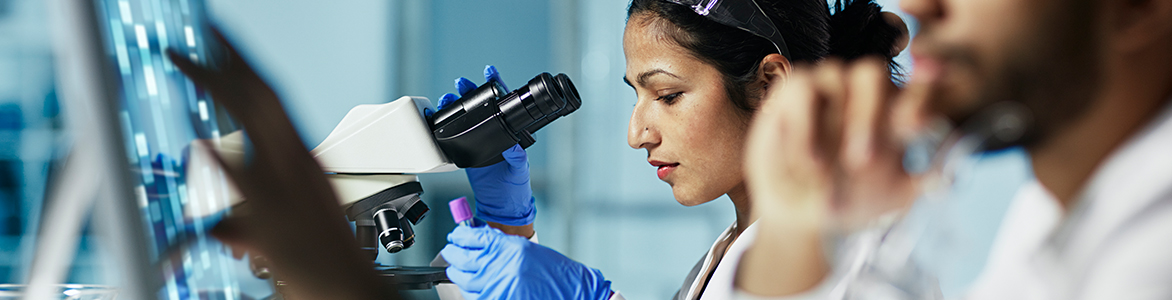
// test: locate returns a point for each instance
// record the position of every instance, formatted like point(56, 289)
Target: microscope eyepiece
point(475, 129)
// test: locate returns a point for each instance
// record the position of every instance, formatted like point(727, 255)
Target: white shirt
point(872, 263)
point(1116, 242)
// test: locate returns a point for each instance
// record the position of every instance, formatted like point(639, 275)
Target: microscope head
point(369, 159)
point(389, 138)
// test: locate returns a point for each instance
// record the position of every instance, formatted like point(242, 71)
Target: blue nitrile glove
point(503, 193)
point(489, 264)
point(502, 190)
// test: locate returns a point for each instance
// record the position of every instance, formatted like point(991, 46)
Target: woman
point(698, 82)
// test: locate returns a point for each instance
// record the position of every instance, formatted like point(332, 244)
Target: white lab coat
point(712, 277)
point(1115, 243)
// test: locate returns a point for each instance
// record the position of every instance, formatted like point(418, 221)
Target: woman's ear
point(773, 68)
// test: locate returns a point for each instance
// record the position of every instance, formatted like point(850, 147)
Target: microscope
point(372, 156)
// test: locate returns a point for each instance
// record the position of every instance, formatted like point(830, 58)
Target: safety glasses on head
point(742, 14)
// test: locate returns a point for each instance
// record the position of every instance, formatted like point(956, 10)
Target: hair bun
point(858, 28)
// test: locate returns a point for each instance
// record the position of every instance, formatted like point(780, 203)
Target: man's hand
point(825, 147)
point(292, 217)
point(824, 152)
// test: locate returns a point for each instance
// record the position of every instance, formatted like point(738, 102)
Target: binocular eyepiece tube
point(475, 129)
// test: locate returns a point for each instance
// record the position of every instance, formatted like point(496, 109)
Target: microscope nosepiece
point(385, 218)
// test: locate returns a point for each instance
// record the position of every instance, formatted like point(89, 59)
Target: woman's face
point(683, 116)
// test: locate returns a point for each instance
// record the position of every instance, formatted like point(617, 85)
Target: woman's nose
point(640, 131)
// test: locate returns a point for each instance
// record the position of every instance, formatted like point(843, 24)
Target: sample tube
point(460, 211)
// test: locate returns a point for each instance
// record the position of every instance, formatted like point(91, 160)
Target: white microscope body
point(370, 159)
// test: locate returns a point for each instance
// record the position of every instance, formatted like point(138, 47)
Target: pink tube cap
point(460, 210)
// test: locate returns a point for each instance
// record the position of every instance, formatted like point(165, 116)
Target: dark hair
point(857, 28)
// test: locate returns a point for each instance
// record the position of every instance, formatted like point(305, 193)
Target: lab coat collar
point(1134, 177)
point(698, 279)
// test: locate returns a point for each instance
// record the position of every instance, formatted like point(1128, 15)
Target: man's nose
point(923, 10)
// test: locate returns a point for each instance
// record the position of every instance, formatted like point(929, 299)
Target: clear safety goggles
point(742, 14)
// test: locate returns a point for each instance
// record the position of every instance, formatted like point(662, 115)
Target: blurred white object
point(208, 189)
point(62, 291)
point(93, 178)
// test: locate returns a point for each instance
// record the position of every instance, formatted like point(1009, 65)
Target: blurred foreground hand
point(824, 153)
point(292, 216)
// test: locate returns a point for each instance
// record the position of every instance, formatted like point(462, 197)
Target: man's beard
point(1054, 72)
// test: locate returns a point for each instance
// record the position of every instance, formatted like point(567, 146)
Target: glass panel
point(162, 114)
point(31, 130)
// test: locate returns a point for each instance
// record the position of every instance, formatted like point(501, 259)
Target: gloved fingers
point(518, 162)
point(468, 237)
point(446, 100)
point(462, 259)
point(465, 280)
point(490, 74)
point(516, 155)
point(464, 85)
point(485, 177)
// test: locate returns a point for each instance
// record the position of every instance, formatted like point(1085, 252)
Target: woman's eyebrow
point(643, 77)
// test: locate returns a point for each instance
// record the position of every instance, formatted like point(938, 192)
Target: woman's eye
point(669, 98)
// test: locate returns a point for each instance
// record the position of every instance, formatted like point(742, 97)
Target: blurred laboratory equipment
point(61, 292)
point(880, 262)
point(131, 115)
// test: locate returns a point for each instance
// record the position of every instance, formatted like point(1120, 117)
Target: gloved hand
point(489, 264)
point(463, 85)
point(503, 193)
